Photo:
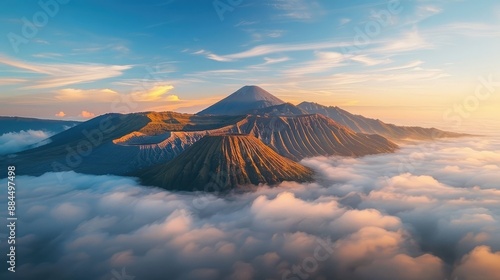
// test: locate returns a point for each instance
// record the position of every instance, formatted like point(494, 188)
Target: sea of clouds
point(429, 211)
point(13, 142)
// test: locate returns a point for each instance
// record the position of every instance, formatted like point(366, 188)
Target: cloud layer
point(13, 142)
point(430, 211)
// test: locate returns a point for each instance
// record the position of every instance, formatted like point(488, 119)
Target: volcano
point(140, 140)
point(242, 101)
point(220, 163)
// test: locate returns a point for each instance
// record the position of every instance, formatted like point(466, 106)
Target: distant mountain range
point(17, 124)
point(256, 97)
point(166, 146)
point(362, 124)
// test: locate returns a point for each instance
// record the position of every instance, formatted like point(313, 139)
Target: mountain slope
point(120, 144)
point(362, 124)
point(16, 124)
point(286, 109)
point(295, 137)
point(242, 101)
point(219, 163)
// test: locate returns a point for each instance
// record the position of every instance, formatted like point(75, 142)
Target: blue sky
point(382, 58)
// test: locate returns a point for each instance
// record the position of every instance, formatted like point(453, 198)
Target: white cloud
point(90, 95)
point(391, 216)
point(14, 142)
point(86, 114)
point(61, 114)
point(480, 263)
point(156, 93)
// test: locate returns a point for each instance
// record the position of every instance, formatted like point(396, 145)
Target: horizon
point(476, 125)
point(396, 60)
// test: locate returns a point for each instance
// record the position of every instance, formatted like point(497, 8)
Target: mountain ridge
point(134, 147)
point(361, 124)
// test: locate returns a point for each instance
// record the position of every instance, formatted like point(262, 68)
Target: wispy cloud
point(59, 75)
point(117, 47)
point(212, 56)
point(410, 41)
point(275, 60)
point(324, 61)
point(47, 55)
point(270, 61)
point(41, 42)
point(423, 12)
point(11, 81)
point(183, 105)
point(158, 24)
point(259, 35)
point(297, 9)
point(368, 61)
point(414, 75)
point(409, 65)
point(222, 71)
point(468, 29)
point(156, 93)
point(272, 49)
point(89, 95)
point(245, 23)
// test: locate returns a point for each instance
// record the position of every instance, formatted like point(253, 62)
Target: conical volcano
point(221, 163)
point(242, 101)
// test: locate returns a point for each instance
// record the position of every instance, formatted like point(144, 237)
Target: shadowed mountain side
point(85, 148)
point(242, 101)
point(220, 163)
point(362, 124)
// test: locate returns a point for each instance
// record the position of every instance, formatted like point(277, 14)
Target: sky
point(402, 61)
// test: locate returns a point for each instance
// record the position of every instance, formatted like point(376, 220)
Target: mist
point(429, 211)
point(13, 142)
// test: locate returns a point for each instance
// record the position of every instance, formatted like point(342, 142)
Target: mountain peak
point(243, 100)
